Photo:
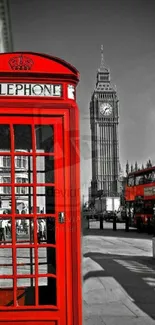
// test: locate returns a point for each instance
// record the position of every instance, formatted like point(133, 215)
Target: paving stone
point(109, 309)
point(93, 320)
point(125, 320)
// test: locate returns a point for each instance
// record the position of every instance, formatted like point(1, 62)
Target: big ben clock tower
point(104, 120)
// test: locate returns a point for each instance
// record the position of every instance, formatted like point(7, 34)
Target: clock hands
point(106, 109)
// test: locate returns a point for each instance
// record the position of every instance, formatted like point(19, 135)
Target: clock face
point(105, 109)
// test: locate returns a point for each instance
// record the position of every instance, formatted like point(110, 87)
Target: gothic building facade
point(104, 121)
point(6, 44)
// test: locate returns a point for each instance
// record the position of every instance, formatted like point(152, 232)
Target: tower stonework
point(6, 41)
point(104, 121)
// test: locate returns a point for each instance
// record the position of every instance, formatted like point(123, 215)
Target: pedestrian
point(2, 230)
point(41, 229)
point(45, 230)
point(38, 232)
point(26, 226)
point(104, 214)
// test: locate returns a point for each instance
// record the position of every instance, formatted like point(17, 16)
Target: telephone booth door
point(32, 239)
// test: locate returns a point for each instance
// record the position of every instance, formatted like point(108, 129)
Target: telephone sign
point(26, 89)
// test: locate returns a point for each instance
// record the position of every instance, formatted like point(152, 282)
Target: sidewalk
point(104, 299)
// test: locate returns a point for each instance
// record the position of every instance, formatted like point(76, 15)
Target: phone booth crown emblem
point(21, 62)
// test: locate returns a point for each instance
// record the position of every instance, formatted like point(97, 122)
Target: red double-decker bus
point(140, 196)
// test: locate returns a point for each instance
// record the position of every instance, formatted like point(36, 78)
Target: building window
point(6, 161)
point(18, 162)
point(6, 179)
point(21, 162)
point(21, 180)
point(21, 190)
point(7, 190)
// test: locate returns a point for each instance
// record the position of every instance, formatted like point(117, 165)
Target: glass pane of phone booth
point(28, 273)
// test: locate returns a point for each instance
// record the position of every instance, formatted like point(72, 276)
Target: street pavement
point(118, 277)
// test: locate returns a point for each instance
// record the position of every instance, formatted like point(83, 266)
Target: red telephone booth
point(40, 270)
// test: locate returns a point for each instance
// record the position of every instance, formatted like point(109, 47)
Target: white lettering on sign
point(149, 191)
point(41, 90)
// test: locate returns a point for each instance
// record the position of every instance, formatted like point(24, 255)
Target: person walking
point(41, 229)
point(38, 232)
point(2, 230)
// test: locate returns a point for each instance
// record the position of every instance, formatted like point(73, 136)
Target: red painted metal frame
point(66, 110)
point(59, 184)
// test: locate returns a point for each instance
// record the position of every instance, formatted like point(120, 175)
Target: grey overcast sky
point(74, 30)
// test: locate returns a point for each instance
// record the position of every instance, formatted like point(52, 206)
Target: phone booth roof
point(35, 65)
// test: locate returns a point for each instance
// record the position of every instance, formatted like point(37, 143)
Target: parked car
point(109, 215)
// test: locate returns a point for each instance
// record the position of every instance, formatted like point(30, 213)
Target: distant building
point(104, 120)
point(21, 176)
point(6, 43)
point(89, 194)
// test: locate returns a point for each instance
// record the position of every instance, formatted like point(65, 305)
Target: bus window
point(139, 206)
point(148, 207)
point(153, 176)
point(148, 178)
point(141, 180)
point(138, 180)
point(131, 181)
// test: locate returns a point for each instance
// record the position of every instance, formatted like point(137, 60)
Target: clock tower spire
point(102, 58)
point(104, 121)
